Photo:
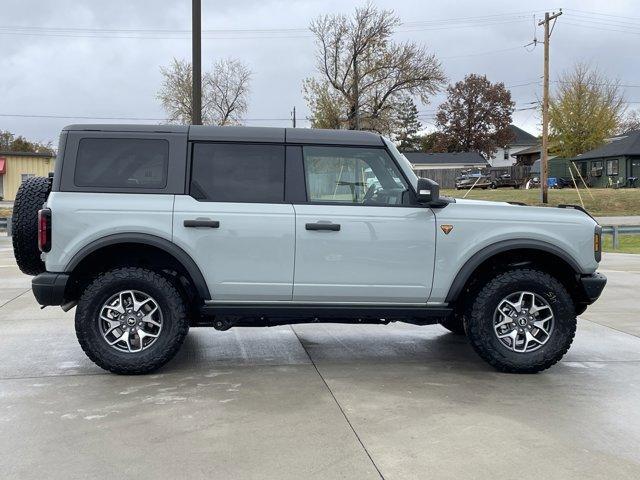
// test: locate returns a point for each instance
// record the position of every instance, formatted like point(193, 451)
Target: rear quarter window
point(122, 163)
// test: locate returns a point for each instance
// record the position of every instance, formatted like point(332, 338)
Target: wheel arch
point(545, 253)
point(133, 241)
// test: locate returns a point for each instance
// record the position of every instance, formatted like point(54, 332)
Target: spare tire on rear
point(32, 194)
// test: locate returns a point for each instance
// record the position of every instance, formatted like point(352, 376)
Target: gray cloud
point(86, 75)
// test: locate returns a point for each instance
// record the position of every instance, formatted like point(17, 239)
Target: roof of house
point(464, 158)
point(521, 137)
point(248, 134)
point(530, 150)
point(26, 154)
point(627, 144)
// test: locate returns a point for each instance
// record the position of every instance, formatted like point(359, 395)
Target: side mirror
point(428, 191)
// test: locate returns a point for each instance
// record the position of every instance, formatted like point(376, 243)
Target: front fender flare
point(500, 247)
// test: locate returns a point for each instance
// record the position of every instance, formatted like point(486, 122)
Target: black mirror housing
point(428, 191)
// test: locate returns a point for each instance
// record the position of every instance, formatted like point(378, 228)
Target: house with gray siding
point(616, 163)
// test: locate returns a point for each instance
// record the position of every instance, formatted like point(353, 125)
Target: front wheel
point(131, 321)
point(522, 321)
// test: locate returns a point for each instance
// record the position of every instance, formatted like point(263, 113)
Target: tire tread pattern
point(115, 363)
point(481, 312)
point(31, 195)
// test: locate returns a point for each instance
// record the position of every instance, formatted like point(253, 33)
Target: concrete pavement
point(320, 401)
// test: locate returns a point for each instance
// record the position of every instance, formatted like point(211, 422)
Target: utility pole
point(544, 160)
point(356, 91)
point(293, 117)
point(196, 62)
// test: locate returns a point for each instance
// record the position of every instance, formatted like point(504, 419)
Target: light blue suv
point(149, 230)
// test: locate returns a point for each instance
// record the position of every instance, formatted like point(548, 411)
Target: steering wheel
point(371, 191)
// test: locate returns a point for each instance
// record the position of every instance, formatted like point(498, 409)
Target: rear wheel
point(131, 321)
point(522, 321)
point(31, 195)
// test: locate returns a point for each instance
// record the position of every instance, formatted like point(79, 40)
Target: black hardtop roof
point(247, 134)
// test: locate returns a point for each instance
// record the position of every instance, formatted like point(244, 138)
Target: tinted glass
point(352, 175)
point(122, 162)
point(238, 173)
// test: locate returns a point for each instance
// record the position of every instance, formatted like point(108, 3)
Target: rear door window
point(122, 163)
point(238, 173)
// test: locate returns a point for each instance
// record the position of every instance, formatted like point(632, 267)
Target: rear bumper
point(592, 285)
point(49, 288)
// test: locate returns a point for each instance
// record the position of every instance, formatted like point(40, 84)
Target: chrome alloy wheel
point(523, 322)
point(130, 321)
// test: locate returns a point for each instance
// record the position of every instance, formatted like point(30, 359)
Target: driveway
point(320, 401)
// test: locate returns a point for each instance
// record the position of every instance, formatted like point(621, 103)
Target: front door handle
point(202, 222)
point(333, 227)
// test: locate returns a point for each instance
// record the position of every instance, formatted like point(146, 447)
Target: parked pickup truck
point(150, 230)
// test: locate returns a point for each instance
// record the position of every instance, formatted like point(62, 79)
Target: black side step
point(228, 315)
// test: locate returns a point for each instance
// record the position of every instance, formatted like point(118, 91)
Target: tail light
point(44, 230)
point(597, 243)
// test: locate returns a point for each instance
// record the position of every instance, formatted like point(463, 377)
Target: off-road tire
point(454, 323)
point(32, 194)
point(175, 323)
point(480, 321)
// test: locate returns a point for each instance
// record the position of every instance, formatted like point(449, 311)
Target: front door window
point(358, 176)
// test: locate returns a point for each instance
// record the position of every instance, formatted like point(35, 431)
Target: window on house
point(584, 169)
point(612, 167)
point(506, 154)
point(24, 176)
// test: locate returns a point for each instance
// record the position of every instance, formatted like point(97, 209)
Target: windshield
point(403, 162)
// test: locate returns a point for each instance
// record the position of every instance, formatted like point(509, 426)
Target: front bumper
point(49, 288)
point(592, 286)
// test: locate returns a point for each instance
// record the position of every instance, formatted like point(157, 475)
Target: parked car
point(150, 230)
point(475, 180)
point(505, 180)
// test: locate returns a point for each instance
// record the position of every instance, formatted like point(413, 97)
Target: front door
point(358, 240)
point(234, 222)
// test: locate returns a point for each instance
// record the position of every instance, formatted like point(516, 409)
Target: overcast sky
point(60, 58)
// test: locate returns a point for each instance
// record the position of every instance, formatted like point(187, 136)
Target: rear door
point(358, 238)
point(234, 222)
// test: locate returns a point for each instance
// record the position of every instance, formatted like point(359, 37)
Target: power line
point(139, 119)
point(160, 33)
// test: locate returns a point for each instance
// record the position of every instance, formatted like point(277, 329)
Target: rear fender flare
point(146, 239)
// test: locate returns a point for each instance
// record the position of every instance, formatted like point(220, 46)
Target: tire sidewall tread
point(31, 196)
point(175, 324)
point(479, 321)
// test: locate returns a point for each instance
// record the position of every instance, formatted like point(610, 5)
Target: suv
point(150, 230)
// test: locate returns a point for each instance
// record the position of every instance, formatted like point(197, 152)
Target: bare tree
point(586, 108)
point(630, 122)
point(367, 72)
point(225, 92)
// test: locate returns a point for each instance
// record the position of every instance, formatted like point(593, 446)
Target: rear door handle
point(333, 227)
point(202, 222)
